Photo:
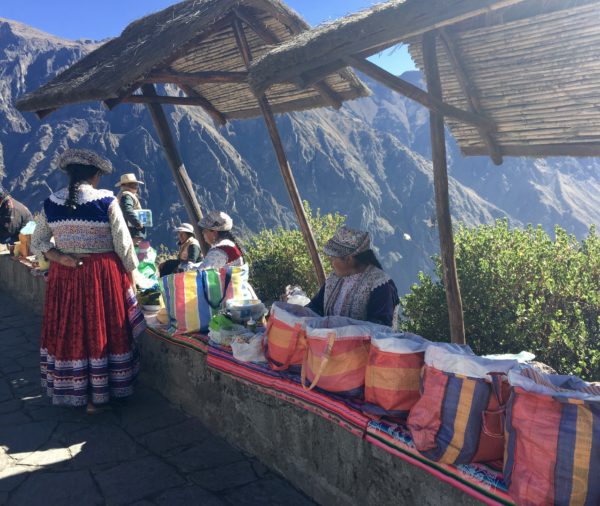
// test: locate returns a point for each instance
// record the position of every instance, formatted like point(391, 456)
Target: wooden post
point(440, 180)
point(182, 180)
point(284, 166)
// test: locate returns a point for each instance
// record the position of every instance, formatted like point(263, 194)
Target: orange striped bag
point(337, 354)
point(459, 418)
point(393, 374)
point(552, 440)
point(286, 335)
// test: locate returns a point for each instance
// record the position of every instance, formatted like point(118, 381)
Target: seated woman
point(224, 247)
point(189, 251)
point(358, 288)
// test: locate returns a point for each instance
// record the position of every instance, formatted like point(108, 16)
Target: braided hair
point(78, 174)
point(368, 258)
point(229, 235)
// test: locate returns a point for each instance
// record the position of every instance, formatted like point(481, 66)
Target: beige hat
point(128, 179)
point(216, 220)
point(185, 227)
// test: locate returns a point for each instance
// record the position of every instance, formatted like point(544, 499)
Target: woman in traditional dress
point(130, 203)
point(189, 251)
point(91, 317)
point(358, 288)
point(225, 249)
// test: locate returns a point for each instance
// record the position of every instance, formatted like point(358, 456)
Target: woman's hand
point(63, 259)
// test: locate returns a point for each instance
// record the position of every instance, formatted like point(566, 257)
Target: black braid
point(368, 258)
point(229, 235)
point(78, 174)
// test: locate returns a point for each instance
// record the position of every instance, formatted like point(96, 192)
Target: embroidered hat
point(347, 241)
point(84, 157)
point(216, 220)
point(185, 227)
point(128, 179)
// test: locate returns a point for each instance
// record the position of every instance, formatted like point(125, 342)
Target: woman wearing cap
point(224, 247)
point(130, 202)
point(91, 316)
point(358, 288)
point(189, 251)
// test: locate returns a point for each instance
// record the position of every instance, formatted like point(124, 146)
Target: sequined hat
point(84, 157)
point(216, 220)
point(347, 241)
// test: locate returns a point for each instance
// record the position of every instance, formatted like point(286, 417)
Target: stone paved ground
point(144, 453)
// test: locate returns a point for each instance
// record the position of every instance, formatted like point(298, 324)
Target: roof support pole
point(182, 180)
point(284, 165)
point(442, 204)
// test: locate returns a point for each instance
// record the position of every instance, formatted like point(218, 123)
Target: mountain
point(369, 161)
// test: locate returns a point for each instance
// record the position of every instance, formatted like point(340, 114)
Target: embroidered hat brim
point(217, 221)
point(84, 157)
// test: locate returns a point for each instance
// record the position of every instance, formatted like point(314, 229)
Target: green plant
point(521, 290)
point(280, 257)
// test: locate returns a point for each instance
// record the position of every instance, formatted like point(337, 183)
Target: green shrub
point(280, 257)
point(521, 291)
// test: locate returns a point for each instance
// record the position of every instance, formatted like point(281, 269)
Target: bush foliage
point(280, 257)
point(521, 291)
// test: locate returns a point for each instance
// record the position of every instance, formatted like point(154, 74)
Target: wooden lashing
point(182, 180)
point(470, 91)
point(418, 95)
point(442, 205)
point(284, 166)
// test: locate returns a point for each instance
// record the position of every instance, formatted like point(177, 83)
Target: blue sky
point(86, 19)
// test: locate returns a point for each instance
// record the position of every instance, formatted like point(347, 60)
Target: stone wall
point(17, 280)
point(323, 459)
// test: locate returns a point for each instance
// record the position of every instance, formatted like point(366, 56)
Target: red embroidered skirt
point(91, 319)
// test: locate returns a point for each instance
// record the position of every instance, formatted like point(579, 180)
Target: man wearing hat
point(357, 288)
point(189, 251)
point(129, 202)
point(13, 217)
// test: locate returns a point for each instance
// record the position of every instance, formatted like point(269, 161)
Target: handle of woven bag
point(225, 287)
point(497, 378)
point(324, 361)
point(290, 351)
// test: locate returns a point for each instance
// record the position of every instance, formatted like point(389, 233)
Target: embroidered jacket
point(222, 254)
point(368, 296)
point(96, 225)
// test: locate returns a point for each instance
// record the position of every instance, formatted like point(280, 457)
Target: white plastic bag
point(248, 351)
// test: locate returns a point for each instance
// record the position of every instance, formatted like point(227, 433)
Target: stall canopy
point(204, 47)
point(511, 78)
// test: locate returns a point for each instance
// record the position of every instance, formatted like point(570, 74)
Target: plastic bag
point(248, 349)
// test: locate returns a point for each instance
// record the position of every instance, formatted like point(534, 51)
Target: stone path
point(144, 453)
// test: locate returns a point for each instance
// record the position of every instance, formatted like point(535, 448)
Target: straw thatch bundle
point(190, 37)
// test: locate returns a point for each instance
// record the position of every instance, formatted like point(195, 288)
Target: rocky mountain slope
point(369, 160)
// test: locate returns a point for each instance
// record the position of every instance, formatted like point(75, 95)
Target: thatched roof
point(193, 37)
point(531, 65)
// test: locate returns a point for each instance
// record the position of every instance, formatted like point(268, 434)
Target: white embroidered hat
point(84, 157)
point(216, 220)
point(128, 179)
point(347, 241)
point(185, 227)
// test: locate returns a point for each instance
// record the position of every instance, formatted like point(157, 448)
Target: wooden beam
point(195, 78)
point(442, 204)
point(258, 27)
point(577, 149)
point(182, 180)
point(457, 62)
point(282, 160)
point(218, 117)
point(418, 95)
